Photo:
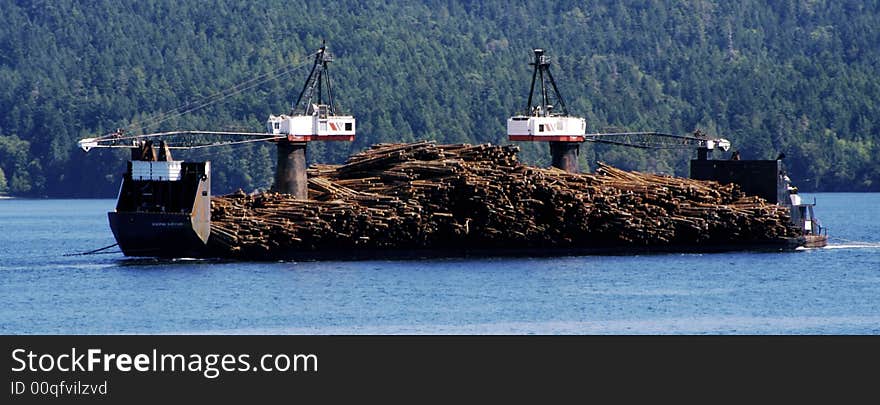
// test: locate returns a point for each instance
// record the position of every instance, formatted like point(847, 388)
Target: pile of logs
point(428, 196)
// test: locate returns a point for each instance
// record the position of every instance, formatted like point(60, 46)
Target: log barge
point(426, 199)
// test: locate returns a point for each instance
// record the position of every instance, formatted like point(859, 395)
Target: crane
point(313, 117)
point(544, 122)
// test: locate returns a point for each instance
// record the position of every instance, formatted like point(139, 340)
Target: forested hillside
point(793, 76)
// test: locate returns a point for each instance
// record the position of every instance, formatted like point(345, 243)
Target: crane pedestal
point(290, 173)
point(564, 155)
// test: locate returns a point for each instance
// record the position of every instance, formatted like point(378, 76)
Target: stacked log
point(429, 196)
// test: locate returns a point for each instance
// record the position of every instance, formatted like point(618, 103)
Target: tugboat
point(815, 235)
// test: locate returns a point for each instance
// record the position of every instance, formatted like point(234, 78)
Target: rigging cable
point(223, 143)
point(221, 95)
point(94, 252)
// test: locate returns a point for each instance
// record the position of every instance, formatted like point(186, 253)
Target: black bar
point(532, 89)
point(419, 368)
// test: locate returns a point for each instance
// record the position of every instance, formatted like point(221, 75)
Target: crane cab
point(319, 126)
point(546, 128)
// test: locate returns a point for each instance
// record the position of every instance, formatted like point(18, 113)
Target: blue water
point(833, 290)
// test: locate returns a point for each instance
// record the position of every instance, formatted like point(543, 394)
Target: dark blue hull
point(156, 234)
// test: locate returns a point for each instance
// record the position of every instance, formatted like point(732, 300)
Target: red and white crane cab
point(313, 117)
point(550, 129)
point(316, 127)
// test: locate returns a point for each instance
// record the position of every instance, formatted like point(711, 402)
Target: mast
point(542, 70)
point(316, 82)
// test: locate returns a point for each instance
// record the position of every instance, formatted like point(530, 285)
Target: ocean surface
point(44, 290)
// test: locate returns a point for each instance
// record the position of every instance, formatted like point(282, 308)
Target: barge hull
point(781, 245)
point(156, 234)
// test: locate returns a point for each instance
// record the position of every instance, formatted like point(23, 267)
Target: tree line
point(793, 76)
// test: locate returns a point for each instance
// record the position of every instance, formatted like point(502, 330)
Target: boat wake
point(864, 245)
point(153, 261)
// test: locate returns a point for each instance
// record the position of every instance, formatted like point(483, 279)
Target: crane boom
point(118, 139)
point(658, 140)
